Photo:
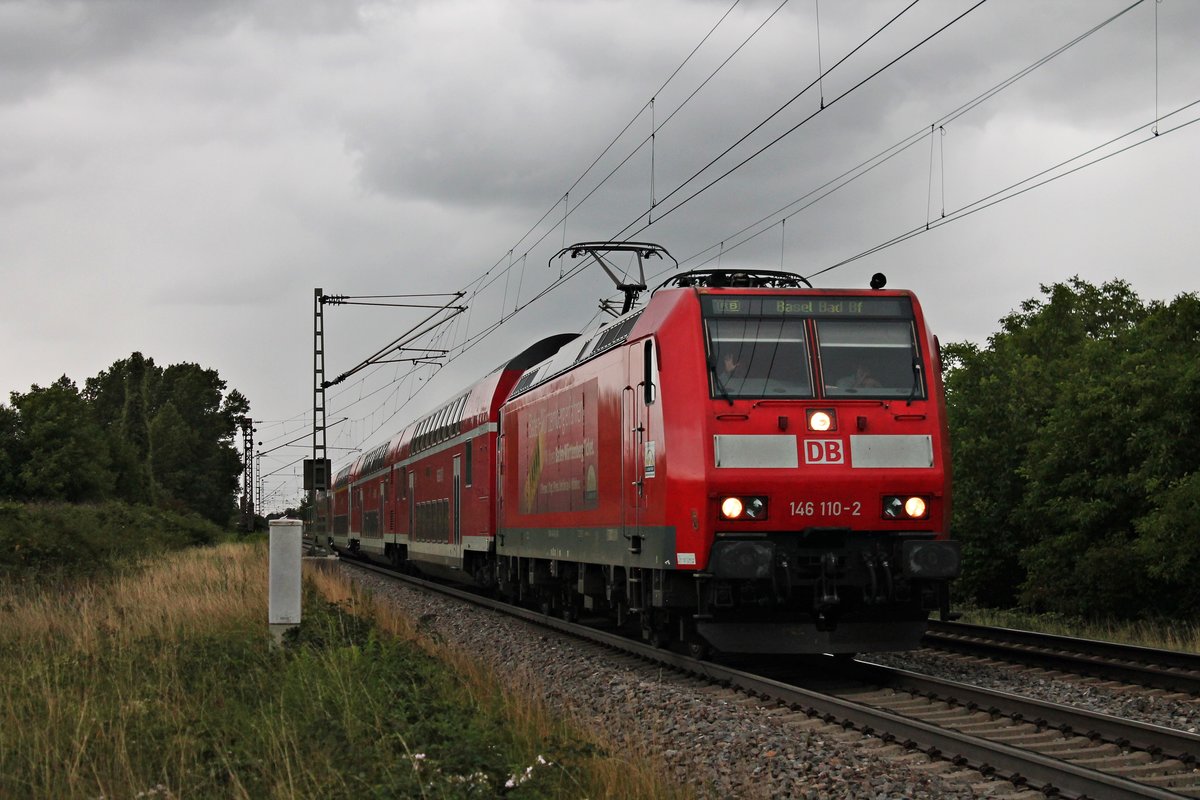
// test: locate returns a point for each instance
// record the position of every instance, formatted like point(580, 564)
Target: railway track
point(1142, 666)
point(1147, 754)
point(1040, 747)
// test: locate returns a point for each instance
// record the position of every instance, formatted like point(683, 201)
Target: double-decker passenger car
point(426, 498)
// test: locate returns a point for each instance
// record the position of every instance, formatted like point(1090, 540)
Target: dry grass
point(192, 593)
point(605, 774)
point(162, 683)
point(86, 665)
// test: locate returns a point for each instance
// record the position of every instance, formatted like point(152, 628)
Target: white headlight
point(915, 507)
point(732, 507)
point(905, 507)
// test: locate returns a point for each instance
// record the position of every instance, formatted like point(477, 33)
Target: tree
point(1070, 466)
point(172, 454)
point(119, 398)
point(1168, 543)
point(12, 455)
point(137, 432)
point(65, 455)
point(215, 466)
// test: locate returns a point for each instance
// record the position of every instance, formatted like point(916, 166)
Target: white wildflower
point(514, 781)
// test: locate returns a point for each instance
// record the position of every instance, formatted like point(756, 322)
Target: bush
point(40, 541)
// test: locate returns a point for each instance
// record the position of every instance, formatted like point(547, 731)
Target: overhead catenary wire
point(426, 325)
point(813, 197)
point(1013, 190)
point(868, 165)
point(469, 340)
point(587, 171)
point(603, 181)
point(1034, 181)
point(820, 68)
point(553, 285)
point(467, 345)
point(1154, 130)
point(637, 148)
point(479, 336)
point(821, 74)
point(303, 436)
point(481, 282)
point(795, 127)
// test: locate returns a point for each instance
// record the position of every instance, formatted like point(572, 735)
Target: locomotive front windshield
point(759, 357)
point(869, 358)
point(862, 347)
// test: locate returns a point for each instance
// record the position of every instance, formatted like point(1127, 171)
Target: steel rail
point(1156, 740)
point(1145, 666)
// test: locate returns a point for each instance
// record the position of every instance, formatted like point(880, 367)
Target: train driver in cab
point(860, 378)
point(731, 368)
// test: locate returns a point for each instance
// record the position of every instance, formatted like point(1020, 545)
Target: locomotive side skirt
point(604, 545)
point(797, 639)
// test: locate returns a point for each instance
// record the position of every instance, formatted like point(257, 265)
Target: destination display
point(800, 306)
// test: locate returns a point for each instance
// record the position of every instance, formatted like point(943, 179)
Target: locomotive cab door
point(637, 451)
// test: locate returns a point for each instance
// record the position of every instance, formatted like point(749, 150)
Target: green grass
point(1159, 634)
point(162, 682)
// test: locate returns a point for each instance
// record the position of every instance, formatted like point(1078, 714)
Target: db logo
point(823, 451)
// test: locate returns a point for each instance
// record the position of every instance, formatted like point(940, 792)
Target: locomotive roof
point(604, 338)
point(736, 279)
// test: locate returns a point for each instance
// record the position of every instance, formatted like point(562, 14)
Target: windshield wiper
point(718, 383)
point(917, 370)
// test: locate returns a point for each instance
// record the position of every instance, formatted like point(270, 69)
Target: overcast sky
point(177, 177)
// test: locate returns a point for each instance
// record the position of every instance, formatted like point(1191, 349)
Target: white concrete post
point(283, 598)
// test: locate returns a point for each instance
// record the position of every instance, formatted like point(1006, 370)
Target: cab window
point(869, 358)
point(758, 357)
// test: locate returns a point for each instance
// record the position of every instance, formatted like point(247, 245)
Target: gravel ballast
point(720, 742)
point(1153, 706)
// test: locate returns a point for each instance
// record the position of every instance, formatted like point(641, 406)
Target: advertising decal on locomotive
point(558, 453)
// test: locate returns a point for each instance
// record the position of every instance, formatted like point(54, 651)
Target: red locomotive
point(746, 463)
